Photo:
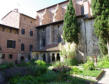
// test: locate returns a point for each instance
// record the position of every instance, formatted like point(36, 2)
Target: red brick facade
point(8, 33)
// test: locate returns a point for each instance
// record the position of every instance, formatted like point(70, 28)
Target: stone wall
point(88, 43)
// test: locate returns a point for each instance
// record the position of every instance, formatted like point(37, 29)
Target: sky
point(28, 7)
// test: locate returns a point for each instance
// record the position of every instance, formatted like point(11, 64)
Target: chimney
point(15, 10)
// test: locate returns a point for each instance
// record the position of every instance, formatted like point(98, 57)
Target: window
point(43, 42)
point(3, 56)
point(23, 31)
point(82, 10)
point(59, 39)
point(31, 33)
point(10, 56)
point(11, 44)
point(22, 47)
point(30, 47)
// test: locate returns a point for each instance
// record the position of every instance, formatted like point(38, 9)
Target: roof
point(28, 16)
point(57, 22)
point(8, 26)
point(19, 13)
point(52, 6)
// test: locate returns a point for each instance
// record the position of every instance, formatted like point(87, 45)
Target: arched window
point(53, 57)
point(58, 57)
point(44, 57)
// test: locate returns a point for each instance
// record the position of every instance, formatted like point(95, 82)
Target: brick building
point(42, 35)
point(17, 37)
point(49, 31)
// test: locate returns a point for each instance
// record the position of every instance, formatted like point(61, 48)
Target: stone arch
point(59, 13)
point(53, 57)
point(58, 57)
point(44, 57)
point(47, 17)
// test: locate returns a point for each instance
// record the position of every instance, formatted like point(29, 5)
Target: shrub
point(58, 64)
point(75, 70)
point(103, 62)
point(89, 65)
point(39, 69)
point(6, 65)
point(70, 61)
point(47, 77)
point(23, 80)
point(40, 63)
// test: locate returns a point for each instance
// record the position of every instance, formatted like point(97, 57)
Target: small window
point(11, 44)
point(3, 56)
point(23, 31)
point(31, 47)
point(22, 47)
point(10, 56)
point(31, 33)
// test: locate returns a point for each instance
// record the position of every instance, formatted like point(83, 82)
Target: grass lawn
point(92, 73)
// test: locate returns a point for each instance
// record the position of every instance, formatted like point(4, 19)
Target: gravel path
point(105, 78)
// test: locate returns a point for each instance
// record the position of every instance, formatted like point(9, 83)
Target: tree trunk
point(108, 46)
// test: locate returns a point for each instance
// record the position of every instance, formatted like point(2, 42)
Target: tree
point(100, 11)
point(71, 27)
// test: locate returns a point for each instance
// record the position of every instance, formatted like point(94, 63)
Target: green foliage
point(70, 28)
point(47, 77)
point(23, 80)
point(23, 64)
point(58, 64)
point(92, 73)
point(40, 68)
point(103, 62)
point(75, 70)
point(70, 61)
point(100, 10)
point(6, 65)
point(40, 63)
point(102, 45)
point(89, 65)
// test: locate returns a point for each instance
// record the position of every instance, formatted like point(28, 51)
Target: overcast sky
point(28, 7)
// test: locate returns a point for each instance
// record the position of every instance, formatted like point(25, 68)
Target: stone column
point(50, 57)
point(46, 55)
point(55, 56)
